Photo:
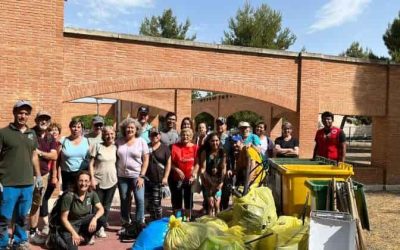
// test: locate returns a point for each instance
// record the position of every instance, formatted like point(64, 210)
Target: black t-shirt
point(155, 172)
point(292, 143)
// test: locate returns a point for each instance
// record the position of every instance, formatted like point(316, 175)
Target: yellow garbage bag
point(226, 215)
point(213, 221)
point(187, 235)
point(225, 242)
point(289, 233)
point(255, 211)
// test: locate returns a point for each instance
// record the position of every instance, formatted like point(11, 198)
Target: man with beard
point(19, 161)
point(47, 151)
point(143, 117)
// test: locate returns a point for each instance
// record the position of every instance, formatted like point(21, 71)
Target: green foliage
point(392, 39)
point(166, 26)
point(205, 117)
point(248, 116)
point(87, 120)
point(260, 28)
point(196, 94)
point(356, 50)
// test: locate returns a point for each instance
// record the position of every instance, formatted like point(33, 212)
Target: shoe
point(45, 230)
point(37, 239)
point(91, 241)
point(23, 246)
point(101, 233)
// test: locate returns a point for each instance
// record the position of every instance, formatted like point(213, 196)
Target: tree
point(260, 28)
point(356, 50)
point(248, 116)
point(392, 39)
point(166, 26)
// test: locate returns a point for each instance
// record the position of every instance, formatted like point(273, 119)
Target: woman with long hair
point(212, 172)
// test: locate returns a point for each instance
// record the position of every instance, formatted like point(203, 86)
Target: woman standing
point(74, 154)
point(187, 123)
point(157, 173)
point(213, 168)
point(103, 171)
point(286, 145)
point(132, 162)
point(79, 224)
point(185, 167)
point(201, 134)
point(267, 146)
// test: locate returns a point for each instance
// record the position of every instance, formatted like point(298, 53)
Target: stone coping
point(209, 46)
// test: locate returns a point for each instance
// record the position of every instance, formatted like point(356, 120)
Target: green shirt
point(77, 208)
point(16, 149)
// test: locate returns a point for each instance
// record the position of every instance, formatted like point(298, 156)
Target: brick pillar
point(31, 56)
point(183, 105)
point(308, 104)
point(386, 135)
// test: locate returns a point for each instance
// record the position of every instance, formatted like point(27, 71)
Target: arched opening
point(245, 115)
point(207, 118)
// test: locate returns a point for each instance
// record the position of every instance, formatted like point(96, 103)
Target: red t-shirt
point(184, 158)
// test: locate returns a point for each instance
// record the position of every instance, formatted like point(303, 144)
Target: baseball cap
point(154, 131)
point(221, 120)
point(97, 119)
point(236, 138)
point(43, 113)
point(21, 103)
point(143, 110)
point(243, 124)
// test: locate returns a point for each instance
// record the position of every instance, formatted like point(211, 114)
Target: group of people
point(139, 160)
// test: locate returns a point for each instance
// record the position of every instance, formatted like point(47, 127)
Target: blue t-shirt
point(252, 139)
point(145, 132)
point(74, 157)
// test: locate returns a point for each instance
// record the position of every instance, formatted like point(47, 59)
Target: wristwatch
point(41, 154)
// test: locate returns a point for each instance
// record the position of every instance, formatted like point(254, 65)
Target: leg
point(139, 202)
point(67, 237)
point(83, 229)
point(176, 196)
point(8, 200)
point(22, 207)
point(125, 193)
point(188, 199)
point(108, 195)
point(226, 193)
point(37, 202)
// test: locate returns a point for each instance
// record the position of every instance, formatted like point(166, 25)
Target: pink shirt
point(130, 158)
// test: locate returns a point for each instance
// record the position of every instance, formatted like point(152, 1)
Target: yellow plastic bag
point(255, 211)
point(225, 242)
point(187, 235)
point(213, 221)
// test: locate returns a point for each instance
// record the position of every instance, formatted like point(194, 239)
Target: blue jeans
point(17, 201)
point(125, 187)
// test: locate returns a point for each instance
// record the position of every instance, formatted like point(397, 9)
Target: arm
point(52, 155)
point(36, 165)
point(76, 238)
point(167, 171)
point(195, 170)
point(99, 213)
point(342, 152)
point(143, 170)
point(91, 172)
point(219, 187)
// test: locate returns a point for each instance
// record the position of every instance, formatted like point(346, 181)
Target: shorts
point(38, 194)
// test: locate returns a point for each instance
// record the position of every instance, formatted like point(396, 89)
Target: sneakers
point(101, 233)
point(91, 241)
point(23, 246)
point(36, 239)
point(45, 230)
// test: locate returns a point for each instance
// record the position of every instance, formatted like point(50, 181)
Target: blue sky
point(321, 26)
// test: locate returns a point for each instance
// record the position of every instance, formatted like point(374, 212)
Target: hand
point(164, 181)
point(54, 181)
point(139, 182)
point(180, 173)
point(1, 187)
point(229, 173)
point(93, 184)
point(192, 179)
point(93, 225)
point(38, 182)
point(76, 239)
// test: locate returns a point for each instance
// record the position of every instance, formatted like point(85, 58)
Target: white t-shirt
point(105, 170)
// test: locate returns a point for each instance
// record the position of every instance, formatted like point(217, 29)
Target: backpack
point(55, 241)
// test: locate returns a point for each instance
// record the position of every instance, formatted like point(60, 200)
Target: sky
point(321, 26)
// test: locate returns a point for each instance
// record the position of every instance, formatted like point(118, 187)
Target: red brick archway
point(47, 64)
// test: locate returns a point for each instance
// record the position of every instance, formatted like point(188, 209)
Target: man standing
point(330, 141)
point(18, 162)
point(94, 136)
point(143, 117)
point(47, 151)
point(169, 135)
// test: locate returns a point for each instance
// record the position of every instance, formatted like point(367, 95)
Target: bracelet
point(141, 176)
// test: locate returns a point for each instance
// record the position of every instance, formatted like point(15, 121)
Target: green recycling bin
point(319, 189)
